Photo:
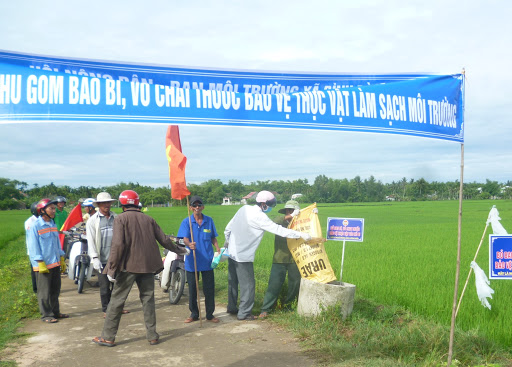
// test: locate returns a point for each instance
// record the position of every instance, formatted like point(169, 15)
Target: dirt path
point(228, 343)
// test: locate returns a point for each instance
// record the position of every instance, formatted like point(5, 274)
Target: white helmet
point(266, 197)
point(88, 202)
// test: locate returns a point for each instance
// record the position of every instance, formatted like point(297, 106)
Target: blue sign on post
point(345, 229)
point(500, 257)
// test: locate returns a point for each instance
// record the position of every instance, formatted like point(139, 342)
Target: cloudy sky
point(335, 36)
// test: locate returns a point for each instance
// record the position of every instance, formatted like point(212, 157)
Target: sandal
point(105, 343)
point(124, 312)
point(62, 316)
point(214, 320)
point(188, 320)
point(50, 320)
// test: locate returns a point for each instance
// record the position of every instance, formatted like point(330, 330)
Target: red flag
point(72, 220)
point(177, 163)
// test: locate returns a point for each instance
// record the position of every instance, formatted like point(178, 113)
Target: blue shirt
point(43, 244)
point(203, 236)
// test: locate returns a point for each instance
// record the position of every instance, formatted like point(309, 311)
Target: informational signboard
point(500, 257)
point(345, 229)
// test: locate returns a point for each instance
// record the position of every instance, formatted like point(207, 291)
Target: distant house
point(390, 198)
point(251, 195)
point(296, 196)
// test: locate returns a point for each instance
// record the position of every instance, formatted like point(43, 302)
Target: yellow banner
point(310, 257)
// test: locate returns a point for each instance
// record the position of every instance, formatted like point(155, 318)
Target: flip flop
point(105, 343)
point(62, 316)
point(50, 320)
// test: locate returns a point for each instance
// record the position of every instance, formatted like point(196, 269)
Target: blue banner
point(40, 88)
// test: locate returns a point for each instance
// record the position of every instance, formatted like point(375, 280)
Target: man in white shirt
point(243, 236)
point(100, 228)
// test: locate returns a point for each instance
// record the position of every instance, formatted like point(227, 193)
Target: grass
point(407, 259)
point(378, 335)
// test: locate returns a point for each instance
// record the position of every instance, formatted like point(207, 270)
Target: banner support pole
point(457, 271)
point(195, 265)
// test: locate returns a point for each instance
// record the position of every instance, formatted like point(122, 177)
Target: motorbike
point(80, 265)
point(173, 277)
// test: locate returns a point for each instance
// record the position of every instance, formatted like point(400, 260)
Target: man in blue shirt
point(47, 259)
point(204, 236)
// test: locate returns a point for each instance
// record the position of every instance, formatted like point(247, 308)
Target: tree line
point(16, 194)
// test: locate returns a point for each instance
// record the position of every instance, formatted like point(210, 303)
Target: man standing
point(60, 214)
point(134, 258)
point(99, 229)
point(243, 236)
point(282, 263)
point(47, 260)
point(28, 224)
point(205, 235)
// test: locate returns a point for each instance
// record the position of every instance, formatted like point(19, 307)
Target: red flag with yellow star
point(177, 163)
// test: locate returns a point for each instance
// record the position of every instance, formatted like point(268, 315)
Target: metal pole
point(457, 271)
point(342, 259)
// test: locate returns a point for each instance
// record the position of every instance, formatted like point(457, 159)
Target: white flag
point(494, 220)
point(483, 290)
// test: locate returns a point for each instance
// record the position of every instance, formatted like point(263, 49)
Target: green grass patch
point(379, 335)
point(18, 299)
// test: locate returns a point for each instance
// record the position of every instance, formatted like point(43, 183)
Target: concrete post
point(314, 296)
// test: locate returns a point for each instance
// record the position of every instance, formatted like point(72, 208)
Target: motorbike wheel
point(177, 286)
point(81, 277)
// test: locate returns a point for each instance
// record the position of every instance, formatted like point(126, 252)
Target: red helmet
point(129, 197)
point(42, 204)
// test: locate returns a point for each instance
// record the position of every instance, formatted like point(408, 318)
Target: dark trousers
point(146, 284)
point(208, 291)
point(276, 281)
point(105, 291)
point(48, 291)
point(34, 278)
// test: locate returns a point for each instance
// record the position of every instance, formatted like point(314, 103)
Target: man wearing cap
point(282, 263)
point(204, 236)
point(243, 236)
point(99, 229)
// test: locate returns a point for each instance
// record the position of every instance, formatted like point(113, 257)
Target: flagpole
point(457, 271)
point(471, 269)
point(195, 264)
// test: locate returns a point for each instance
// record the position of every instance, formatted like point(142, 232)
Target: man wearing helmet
point(282, 263)
point(88, 208)
point(134, 257)
point(60, 214)
point(243, 235)
point(99, 230)
point(47, 260)
point(28, 224)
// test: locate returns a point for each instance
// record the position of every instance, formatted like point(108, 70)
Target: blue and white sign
point(345, 229)
point(42, 88)
point(500, 257)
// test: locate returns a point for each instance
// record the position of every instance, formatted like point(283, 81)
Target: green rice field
point(407, 258)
